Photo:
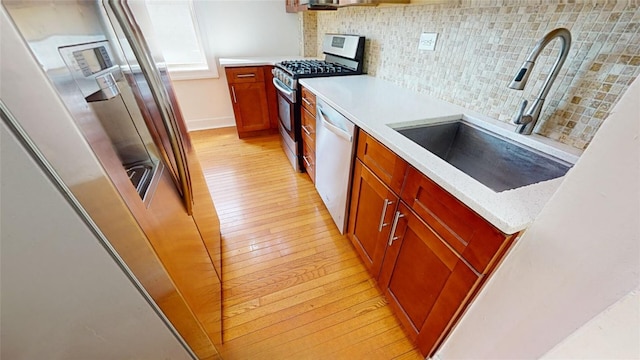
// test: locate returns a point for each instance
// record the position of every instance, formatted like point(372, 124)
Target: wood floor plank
point(355, 290)
point(293, 287)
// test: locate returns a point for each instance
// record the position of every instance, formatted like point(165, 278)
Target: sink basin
point(495, 161)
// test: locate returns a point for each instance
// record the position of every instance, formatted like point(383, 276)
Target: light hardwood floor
point(293, 287)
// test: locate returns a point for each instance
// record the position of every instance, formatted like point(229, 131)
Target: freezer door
point(152, 88)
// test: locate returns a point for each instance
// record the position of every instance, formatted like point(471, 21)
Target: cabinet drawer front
point(308, 101)
point(464, 230)
point(309, 160)
point(309, 129)
point(238, 75)
point(372, 208)
point(383, 162)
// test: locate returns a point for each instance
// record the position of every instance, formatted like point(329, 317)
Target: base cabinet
point(308, 119)
point(425, 282)
point(249, 98)
point(429, 252)
point(372, 207)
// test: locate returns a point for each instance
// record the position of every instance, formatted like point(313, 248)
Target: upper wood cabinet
point(293, 6)
point(249, 99)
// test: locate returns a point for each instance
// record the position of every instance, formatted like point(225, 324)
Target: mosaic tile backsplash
point(482, 44)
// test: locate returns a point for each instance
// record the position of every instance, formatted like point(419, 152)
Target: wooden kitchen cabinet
point(425, 282)
point(429, 252)
point(249, 99)
point(383, 162)
point(309, 132)
point(372, 207)
point(377, 180)
point(308, 101)
point(465, 231)
point(293, 6)
point(272, 97)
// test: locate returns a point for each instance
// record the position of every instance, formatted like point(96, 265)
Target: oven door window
point(285, 112)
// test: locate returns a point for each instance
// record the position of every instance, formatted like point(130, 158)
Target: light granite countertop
point(374, 104)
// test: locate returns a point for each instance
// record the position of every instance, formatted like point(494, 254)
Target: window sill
point(180, 75)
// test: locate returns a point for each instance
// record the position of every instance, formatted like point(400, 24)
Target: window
point(185, 50)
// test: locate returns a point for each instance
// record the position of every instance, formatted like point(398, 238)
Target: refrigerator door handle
point(141, 51)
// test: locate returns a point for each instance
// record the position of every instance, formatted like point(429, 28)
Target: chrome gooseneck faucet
point(527, 121)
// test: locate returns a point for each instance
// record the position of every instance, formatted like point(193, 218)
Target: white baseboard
point(210, 123)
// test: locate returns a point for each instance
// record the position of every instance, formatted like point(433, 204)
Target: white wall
point(240, 28)
point(579, 257)
point(613, 334)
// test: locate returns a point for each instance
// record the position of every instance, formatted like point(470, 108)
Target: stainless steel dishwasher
point(334, 157)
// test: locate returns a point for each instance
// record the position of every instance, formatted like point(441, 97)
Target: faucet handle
point(518, 119)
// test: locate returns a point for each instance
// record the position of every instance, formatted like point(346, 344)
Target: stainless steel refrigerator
point(83, 87)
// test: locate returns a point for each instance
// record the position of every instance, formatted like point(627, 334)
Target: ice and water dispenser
point(108, 94)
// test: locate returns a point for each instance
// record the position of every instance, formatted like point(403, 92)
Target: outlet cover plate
point(428, 41)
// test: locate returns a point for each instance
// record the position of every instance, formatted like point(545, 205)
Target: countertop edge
point(257, 60)
point(510, 211)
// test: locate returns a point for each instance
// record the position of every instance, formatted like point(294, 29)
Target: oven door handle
point(283, 88)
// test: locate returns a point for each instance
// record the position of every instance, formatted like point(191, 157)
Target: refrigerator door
point(61, 277)
point(68, 105)
point(153, 89)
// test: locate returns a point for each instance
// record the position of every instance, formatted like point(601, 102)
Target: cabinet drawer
point(238, 75)
point(308, 101)
point(309, 129)
point(388, 166)
point(309, 160)
point(470, 235)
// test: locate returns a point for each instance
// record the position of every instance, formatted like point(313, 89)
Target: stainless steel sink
point(495, 161)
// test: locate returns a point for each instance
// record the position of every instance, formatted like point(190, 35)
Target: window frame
point(206, 70)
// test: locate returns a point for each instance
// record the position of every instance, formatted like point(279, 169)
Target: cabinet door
point(372, 208)
point(250, 107)
point(425, 282)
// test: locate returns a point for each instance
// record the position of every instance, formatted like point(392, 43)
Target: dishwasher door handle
point(334, 129)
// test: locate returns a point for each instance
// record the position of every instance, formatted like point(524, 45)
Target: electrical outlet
point(428, 41)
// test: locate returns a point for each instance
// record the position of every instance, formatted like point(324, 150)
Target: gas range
point(343, 56)
point(315, 68)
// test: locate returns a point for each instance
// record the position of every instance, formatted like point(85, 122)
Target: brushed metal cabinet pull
point(304, 128)
point(306, 161)
point(245, 75)
point(233, 91)
point(392, 236)
point(384, 214)
point(306, 101)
